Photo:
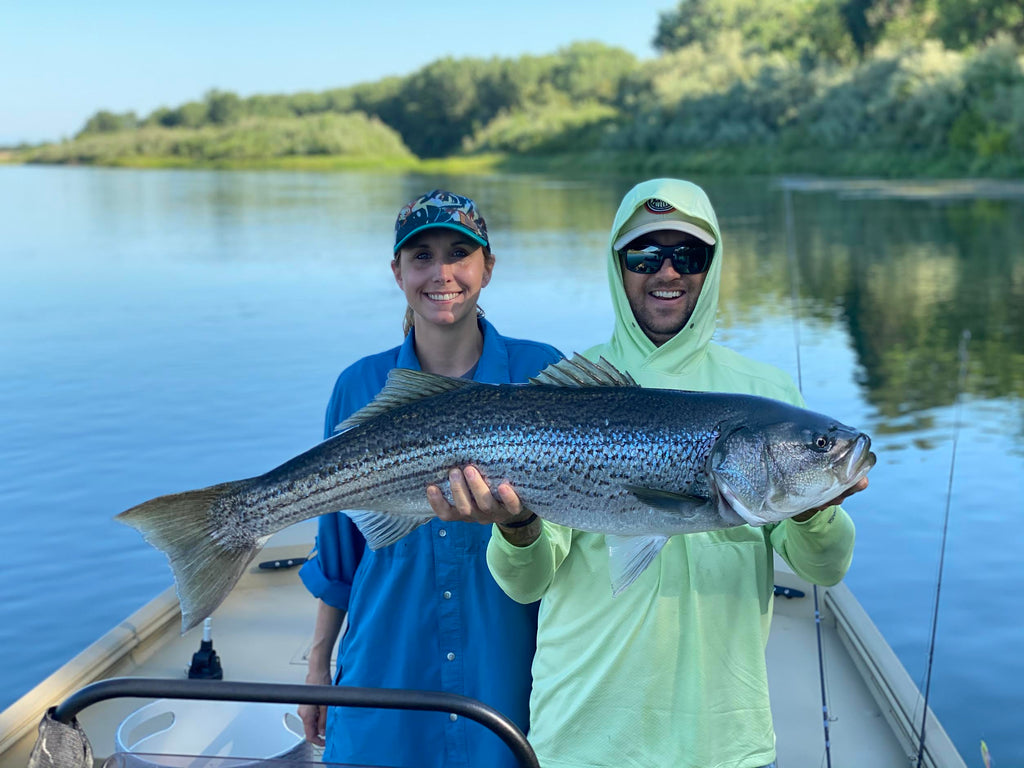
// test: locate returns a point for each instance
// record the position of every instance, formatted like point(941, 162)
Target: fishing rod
point(961, 386)
point(791, 255)
point(958, 402)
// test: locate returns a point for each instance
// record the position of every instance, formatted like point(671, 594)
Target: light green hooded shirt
point(672, 671)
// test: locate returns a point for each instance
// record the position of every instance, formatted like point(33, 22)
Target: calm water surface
point(167, 330)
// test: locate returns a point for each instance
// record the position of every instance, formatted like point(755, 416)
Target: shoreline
point(751, 161)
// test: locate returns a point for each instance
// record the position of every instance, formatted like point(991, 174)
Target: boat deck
point(262, 633)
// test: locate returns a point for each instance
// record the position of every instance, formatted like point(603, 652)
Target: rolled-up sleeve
point(329, 573)
point(525, 573)
point(820, 549)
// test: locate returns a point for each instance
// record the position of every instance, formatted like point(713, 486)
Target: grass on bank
point(717, 162)
point(459, 165)
point(758, 161)
point(346, 138)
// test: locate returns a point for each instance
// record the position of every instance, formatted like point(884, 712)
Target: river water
point(165, 330)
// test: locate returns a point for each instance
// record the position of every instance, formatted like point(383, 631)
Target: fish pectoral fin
point(381, 529)
point(681, 504)
point(629, 556)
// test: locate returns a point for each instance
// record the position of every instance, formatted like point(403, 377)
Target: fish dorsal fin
point(403, 386)
point(578, 371)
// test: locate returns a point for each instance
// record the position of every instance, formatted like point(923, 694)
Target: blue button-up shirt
point(424, 613)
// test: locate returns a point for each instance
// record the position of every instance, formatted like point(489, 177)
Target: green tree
point(962, 23)
point(263, 105)
point(591, 71)
point(109, 122)
point(190, 115)
point(439, 107)
point(308, 103)
point(223, 107)
point(692, 21)
point(802, 29)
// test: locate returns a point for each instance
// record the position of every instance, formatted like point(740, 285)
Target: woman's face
point(441, 271)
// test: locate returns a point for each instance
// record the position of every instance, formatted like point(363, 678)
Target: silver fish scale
point(568, 453)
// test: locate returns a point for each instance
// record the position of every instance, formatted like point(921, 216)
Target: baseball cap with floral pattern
point(439, 208)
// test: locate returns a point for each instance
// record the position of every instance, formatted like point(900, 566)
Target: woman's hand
point(318, 672)
point(314, 716)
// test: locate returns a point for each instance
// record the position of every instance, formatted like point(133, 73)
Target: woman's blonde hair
point(407, 322)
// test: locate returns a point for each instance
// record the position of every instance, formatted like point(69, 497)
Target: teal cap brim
point(442, 225)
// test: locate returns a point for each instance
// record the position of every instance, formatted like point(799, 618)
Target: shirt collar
point(407, 353)
point(492, 367)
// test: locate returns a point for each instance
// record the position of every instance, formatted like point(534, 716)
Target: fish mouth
point(858, 460)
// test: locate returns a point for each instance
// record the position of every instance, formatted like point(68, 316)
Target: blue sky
point(62, 61)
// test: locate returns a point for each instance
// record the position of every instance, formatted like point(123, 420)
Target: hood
point(629, 344)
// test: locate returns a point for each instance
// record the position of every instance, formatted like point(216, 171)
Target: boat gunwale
point(888, 681)
point(134, 637)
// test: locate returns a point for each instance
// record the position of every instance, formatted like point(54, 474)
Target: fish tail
point(183, 527)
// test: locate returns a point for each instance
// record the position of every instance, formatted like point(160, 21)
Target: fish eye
point(822, 442)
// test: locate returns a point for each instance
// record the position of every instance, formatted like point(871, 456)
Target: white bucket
point(223, 729)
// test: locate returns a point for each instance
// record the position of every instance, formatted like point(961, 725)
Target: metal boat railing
point(279, 693)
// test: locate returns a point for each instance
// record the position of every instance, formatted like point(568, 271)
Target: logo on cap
point(654, 205)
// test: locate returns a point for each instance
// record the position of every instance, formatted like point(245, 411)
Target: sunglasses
point(686, 259)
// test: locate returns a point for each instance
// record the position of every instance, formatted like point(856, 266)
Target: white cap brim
point(653, 226)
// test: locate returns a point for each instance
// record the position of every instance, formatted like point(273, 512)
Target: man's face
point(663, 301)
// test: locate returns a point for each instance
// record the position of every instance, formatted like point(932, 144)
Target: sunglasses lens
point(643, 262)
point(691, 259)
point(686, 259)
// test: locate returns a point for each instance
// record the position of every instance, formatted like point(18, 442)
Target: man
point(672, 671)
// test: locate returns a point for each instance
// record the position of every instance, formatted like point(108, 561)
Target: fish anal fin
point(403, 386)
point(629, 556)
point(381, 529)
point(578, 371)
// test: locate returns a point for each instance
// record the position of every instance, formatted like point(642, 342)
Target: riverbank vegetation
point(888, 87)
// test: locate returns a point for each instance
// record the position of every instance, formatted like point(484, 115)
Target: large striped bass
point(582, 444)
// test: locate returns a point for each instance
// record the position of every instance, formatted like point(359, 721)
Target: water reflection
point(905, 279)
point(173, 329)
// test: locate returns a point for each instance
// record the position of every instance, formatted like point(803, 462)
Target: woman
point(424, 613)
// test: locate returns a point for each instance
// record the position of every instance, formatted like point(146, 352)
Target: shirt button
point(451, 656)
point(447, 595)
point(442, 533)
point(453, 717)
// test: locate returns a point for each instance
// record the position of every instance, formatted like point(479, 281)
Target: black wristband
point(521, 523)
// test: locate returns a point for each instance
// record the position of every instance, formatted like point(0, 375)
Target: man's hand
point(860, 486)
point(474, 501)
